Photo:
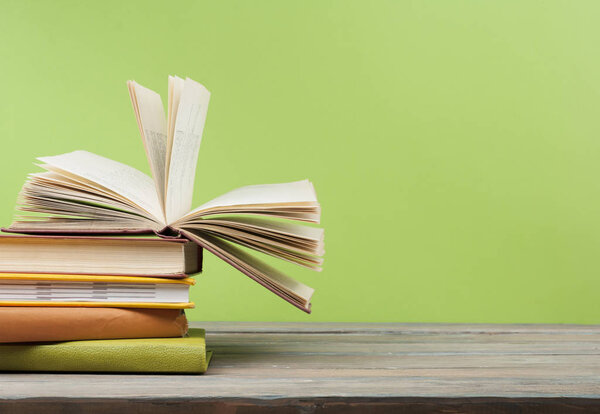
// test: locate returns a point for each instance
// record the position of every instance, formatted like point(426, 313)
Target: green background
point(454, 145)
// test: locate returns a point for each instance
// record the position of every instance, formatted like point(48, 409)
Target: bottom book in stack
point(183, 355)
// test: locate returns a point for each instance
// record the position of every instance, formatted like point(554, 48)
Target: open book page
point(283, 286)
point(150, 116)
point(296, 200)
point(187, 135)
point(175, 90)
point(27, 225)
point(121, 179)
point(291, 242)
point(73, 203)
point(68, 205)
point(270, 228)
point(50, 184)
point(278, 250)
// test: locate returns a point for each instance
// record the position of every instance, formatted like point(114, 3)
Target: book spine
point(75, 232)
point(140, 305)
point(87, 356)
point(83, 273)
point(171, 233)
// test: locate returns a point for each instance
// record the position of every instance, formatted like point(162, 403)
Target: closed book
point(154, 355)
point(33, 289)
point(45, 324)
point(111, 255)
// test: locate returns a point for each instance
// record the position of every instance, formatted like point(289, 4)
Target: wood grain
point(327, 367)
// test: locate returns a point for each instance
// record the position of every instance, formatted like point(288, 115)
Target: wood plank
point(374, 345)
point(304, 406)
point(257, 387)
point(382, 328)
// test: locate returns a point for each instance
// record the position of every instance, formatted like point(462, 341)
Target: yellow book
point(28, 289)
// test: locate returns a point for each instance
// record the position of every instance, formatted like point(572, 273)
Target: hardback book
point(47, 324)
point(35, 289)
point(150, 355)
point(81, 192)
point(116, 255)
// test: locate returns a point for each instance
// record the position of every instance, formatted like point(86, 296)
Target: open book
point(81, 192)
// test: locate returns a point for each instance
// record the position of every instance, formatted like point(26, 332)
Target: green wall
point(454, 145)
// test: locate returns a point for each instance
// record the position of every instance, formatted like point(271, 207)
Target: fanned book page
point(150, 115)
point(81, 192)
point(187, 135)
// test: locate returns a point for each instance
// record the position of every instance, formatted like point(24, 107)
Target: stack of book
point(98, 293)
point(72, 268)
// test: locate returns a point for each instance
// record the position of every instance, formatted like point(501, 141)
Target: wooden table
point(350, 368)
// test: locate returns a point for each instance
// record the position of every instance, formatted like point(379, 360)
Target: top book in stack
point(83, 193)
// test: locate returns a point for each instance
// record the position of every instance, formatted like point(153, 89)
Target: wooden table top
point(324, 367)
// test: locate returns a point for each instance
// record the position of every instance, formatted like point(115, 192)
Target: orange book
point(35, 324)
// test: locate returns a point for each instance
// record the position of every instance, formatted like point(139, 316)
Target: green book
point(151, 355)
